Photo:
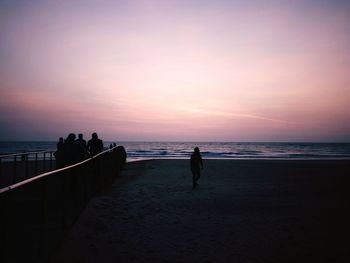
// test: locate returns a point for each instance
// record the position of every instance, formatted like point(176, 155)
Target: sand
point(242, 211)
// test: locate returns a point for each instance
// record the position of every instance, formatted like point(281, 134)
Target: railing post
point(14, 169)
point(26, 166)
point(36, 164)
point(44, 162)
point(43, 215)
point(5, 217)
point(50, 160)
point(63, 201)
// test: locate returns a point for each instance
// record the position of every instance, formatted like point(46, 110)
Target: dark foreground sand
point(242, 211)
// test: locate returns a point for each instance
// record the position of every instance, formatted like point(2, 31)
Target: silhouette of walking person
point(196, 165)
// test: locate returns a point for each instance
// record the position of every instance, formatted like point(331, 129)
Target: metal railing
point(36, 213)
point(20, 166)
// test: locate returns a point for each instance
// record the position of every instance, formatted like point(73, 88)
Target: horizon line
point(185, 141)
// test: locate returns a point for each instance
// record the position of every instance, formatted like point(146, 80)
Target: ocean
point(209, 150)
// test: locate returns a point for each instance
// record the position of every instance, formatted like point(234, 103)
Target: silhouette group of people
point(72, 150)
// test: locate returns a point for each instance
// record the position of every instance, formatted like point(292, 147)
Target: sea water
point(209, 150)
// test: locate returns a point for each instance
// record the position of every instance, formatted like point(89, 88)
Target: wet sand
point(242, 211)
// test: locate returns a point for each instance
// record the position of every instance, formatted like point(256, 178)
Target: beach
point(242, 211)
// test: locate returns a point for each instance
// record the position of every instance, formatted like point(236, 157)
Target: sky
point(188, 70)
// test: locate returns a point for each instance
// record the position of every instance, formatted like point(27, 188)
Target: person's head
point(196, 150)
point(61, 139)
point(94, 135)
point(71, 137)
point(80, 136)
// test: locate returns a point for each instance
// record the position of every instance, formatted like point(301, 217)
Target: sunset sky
point(175, 70)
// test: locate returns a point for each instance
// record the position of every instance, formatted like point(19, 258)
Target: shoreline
point(224, 150)
point(131, 159)
point(242, 211)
